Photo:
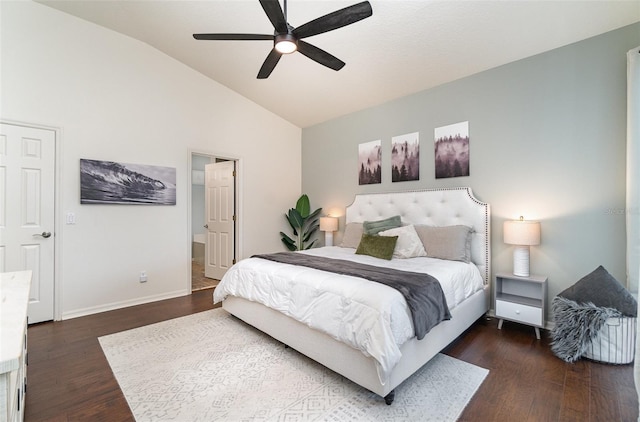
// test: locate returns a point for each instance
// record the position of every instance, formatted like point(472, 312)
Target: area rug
point(211, 366)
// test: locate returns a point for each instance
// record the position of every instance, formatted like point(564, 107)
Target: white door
point(219, 248)
point(27, 182)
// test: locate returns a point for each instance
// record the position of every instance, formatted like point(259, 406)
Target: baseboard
point(124, 304)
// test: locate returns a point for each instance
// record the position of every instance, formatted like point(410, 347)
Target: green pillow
point(374, 227)
point(377, 246)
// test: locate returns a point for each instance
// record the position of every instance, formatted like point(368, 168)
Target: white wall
point(547, 141)
point(115, 98)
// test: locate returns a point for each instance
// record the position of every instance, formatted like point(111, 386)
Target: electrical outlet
point(143, 276)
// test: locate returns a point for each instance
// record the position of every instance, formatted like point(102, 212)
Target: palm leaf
point(296, 221)
point(303, 223)
point(288, 242)
point(315, 213)
point(309, 234)
point(303, 206)
point(295, 232)
point(310, 245)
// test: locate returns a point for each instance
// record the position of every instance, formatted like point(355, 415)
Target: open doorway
point(198, 280)
point(213, 246)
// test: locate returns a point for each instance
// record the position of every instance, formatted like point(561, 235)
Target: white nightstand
point(521, 299)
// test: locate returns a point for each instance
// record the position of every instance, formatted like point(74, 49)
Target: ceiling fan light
point(286, 44)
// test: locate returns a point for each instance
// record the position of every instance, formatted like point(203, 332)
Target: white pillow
point(409, 244)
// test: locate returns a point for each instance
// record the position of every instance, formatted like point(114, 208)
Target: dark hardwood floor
point(527, 382)
point(69, 378)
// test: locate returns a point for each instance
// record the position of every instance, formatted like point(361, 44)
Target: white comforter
point(371, 317)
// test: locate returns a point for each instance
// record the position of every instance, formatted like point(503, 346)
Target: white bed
point(380, 371)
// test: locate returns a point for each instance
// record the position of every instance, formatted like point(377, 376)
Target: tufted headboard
point(432, 207)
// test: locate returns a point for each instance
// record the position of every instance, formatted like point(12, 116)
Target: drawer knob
point(518, 311)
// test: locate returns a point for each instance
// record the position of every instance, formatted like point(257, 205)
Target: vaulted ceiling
point(405, 47)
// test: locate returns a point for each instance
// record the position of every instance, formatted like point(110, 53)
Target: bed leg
point(389, 397)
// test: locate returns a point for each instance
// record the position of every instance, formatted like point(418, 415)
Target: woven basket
point(615, 342)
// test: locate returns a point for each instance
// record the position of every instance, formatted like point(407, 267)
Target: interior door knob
point(206, 226)
point(46, 235)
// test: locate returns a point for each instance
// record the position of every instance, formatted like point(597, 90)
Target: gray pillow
point(374, 227)
point(352, 235)
point(603, 290)
point(447, 242)
point(377, 246)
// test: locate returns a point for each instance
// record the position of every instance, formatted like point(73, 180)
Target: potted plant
point(304, 224)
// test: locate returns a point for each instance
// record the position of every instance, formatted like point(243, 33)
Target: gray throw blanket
point(577, 324)
point(422, 292)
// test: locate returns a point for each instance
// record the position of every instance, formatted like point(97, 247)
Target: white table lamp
point(328, 225)
point(522, 234)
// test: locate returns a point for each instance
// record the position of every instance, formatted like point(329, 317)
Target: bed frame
point(435, 207)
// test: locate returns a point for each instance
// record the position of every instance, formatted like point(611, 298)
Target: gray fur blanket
point(576, 325)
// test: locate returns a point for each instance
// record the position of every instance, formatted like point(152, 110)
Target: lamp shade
point(328, 224)
point(522, 232)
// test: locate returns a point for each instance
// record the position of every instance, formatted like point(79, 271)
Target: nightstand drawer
point(517, 312)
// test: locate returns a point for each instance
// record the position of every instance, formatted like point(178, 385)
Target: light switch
point(71, 218)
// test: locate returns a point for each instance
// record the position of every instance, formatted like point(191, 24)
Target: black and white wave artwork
point(108, 182)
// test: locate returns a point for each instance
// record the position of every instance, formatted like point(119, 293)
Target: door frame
point(238, 205)
point(57, 210)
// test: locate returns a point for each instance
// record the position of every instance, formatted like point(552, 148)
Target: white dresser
point(14, 299)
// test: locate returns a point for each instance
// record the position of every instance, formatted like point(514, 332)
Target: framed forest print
point(405, 157)
point(370, 163)
point(452, 150)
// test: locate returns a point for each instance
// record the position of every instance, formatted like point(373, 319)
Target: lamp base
point(521, 261)
point(328, 238)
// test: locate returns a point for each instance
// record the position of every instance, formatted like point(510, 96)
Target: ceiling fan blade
point(269, 64)
point(274, 13)
point(335, 20)
point(320, 56)
point(233, 37)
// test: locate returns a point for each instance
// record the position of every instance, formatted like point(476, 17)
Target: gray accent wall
point(547, 141)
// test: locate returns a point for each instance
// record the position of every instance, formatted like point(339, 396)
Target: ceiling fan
point(287, 39)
